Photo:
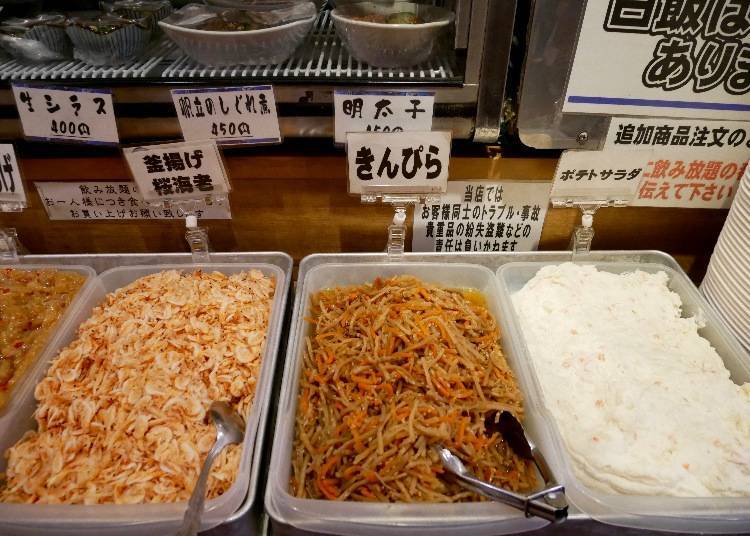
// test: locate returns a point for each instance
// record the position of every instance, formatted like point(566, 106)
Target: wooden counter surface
point(299, 204)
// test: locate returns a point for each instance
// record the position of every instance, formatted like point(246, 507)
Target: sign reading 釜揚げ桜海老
point(662, 58)
point(178, 171)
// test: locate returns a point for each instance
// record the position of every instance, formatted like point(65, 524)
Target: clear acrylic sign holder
point(583, 234)
point(9, 244)
point(400, 201)
point(195, 235)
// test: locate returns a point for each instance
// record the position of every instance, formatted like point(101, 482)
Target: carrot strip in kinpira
point(389, 369)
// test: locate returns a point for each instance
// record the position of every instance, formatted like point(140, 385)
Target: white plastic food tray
point(150, 518)
point(707, 515)
point(26, 380)
point(348, 517)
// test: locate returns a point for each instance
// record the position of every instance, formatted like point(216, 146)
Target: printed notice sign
point(229, 115)
point(12, 193)
point(178, 171)
point(404, 163)
point(483, 216)
point(597, 176)
point(662, 58)
point(382, 111)
point(110, 201)
point(688, 163)
point(66, 114)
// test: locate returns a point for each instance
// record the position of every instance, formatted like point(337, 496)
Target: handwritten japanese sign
point(178, 171)
point(230, 115)
point(12, 193)
point(409, 162)
point(382, 111)
point(596, 176)
point(671, 58)
point(483, 216)
point(110, 201)
point(65, 114)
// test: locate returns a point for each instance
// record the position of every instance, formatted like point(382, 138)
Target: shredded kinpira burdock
point(389, 370)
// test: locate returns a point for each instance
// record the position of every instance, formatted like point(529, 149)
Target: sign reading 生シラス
point(663, 58)
point(65, 114)
point(177, 171)
point(401, 163)
point(229, 115)
point(382, 111)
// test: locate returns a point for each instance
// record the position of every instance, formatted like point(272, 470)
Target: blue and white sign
point(663, 59)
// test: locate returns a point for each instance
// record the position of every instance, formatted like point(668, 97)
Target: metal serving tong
point(549, 503)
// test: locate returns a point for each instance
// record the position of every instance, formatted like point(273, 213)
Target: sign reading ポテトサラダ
point(401, 163)
point(12, 192)
point(178, 171)
point(382, 111)
point(66, 114)
point(229, 115)
point(674, 58)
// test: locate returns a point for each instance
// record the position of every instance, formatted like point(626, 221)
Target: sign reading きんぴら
point(382, 111)
point(79, 115)
point(400, 163)
point(673, 58)
point(178, 171)
point(229, 115)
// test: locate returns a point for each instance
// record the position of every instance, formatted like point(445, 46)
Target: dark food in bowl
point(403, 17)
point(223, 24)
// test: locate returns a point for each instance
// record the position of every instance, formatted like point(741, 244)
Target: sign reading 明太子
point(382, 111)
point(674, 58)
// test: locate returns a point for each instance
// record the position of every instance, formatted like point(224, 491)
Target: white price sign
point(662, 58)
point(382, 111)
point(597, 176)
point(12, 193)
point(403, 163)
point(178, 171)
point(66, 114)
point(230, 115)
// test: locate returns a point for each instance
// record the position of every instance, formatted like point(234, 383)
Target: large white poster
point(663, 58)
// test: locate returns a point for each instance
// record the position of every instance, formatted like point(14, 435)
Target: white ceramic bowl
point(390, 45)
point(253, 47)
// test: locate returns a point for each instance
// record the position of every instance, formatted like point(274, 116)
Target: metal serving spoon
point(553, 506)
point(230, 429)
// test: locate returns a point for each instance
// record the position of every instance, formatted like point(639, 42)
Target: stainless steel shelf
point(322, 58)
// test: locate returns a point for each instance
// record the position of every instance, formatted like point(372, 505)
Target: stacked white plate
point(727, 282)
